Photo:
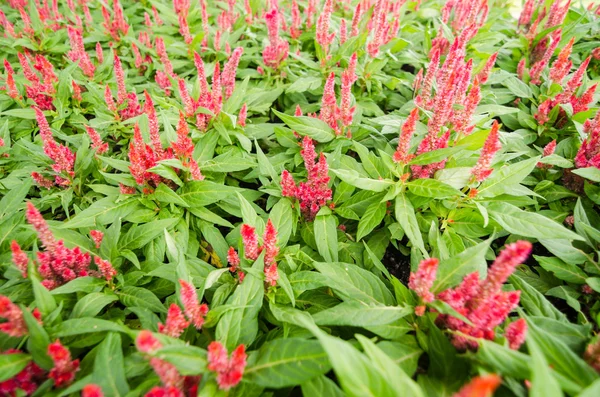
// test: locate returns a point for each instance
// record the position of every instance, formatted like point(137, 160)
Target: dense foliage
point(317, 197)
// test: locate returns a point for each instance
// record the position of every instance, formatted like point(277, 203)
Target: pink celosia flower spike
point(561, 67)
point(106, 268)
point(97, 143)
point(485, 72)
point(167, 372)
point(11, 87)
point(548, 150)
point(153, 125)
point(92, 390)
point(229, 370)
point(194, 311)
point(323, 37)
point(329, 109)
point(63, 372)
point(288, 186)
point(515, 333)
point(175, 323)
point(511, 256)
point(480, 386)
point(97, 237)
point(19, 258)
point(277, 50)
point(241, 121)
point(35, 219)
point(271, 251)
point(408, 129)
point(15, 324)
point(233, 259)
point(250, 241)
point(482, 169)
point(108, 98)
point(120, 76)
point(296, 21)
point(229, 71)
point(538, 67)
point(422, 281)
point(348, 78)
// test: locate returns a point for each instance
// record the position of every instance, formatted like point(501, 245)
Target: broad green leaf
point(102, 212)
point(140, 235)
point(353, 283)
point(321, 386)
point(203, 193)
point(86, 284)
point(432, 188)
point(240, 325)
point(140, 297)
point(435, 156)
point(533, 301)
point(189, 360)
point(505, 177)
point(43, 298)
point(12, 364)
point(543, 383)
point(517, 87)
point(165, 195)
point(451, 271)
point(13, 199)
point(562, 270)
point(591, 173)
point(282, 217)
point(371, 219)
point(87, 325)
point(91, 304)
point(315, 128)
point(353, 178)
point(405, 215)
point(356, 314)
point(38, 341)
point(287, 362)
point(109, 367)
point(528, 224)
point(326, 235)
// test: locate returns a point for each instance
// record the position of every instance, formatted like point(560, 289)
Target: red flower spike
point(422, 281)
point(120, 77)
point(175, 323)
point(41, 181)
point(278, 49)
point(97, 143)
point(229, 370)
point(241, 121)
point(270, 243)
point(186, 99)
point(110, 102)
point(250, 241)
point(329, 109)
point(288, 186)
point(323, 37)
point(538, 67)
point(35, 219)
point(153, 126)
point(408, 129)
point(515, 333)
point(296, 21)
point(194, 311)
point(343, 31)
point(348, 78)
point(164, 392)
point(233, 259)
point(561, 67)
point(146, 342)
point(105, 267)
point(19, 258)
point(548, 150)
point(485, 72)
point(480, 386)
point(482, 169)
point(15, 324)
point(25, 381)
point(63, 372)
point(167, 372)
point(229, 72)
point(97, 237)
point(92, 390)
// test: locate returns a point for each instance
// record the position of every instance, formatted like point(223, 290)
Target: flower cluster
point(252, 250)
point(92, 390)
point(314, 193)
point(210, 99)
point(402, 155)
point(14, 324)
point(19, 258)
point(229, 370)
point(483, 302)
point(452, 106)
point(64, 369)
point(588, 154)
point(277, 50)
point(384, 30)
point(78, 51)
point(482, 169)
point(63, 157)
point(127, 105)
point(174, 384)
point(115, 24)
point(26, 381)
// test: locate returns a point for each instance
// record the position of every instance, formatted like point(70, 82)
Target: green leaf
point(591, 173)
point(282, 217)
point(240, 325)
point(451, 271)
point(533, 301)
point(528, 224)
point(102, 212)
point(189, 360)
point(435, 156)
point(356, 314)
point(562, 270)
point(353, 178)
point(354, 283)
point(43, 298)
point(165, 195)
point(405, 215)
point(38, 341)
point(87, 325)
point(432, 188)
point(109, 367)
point(304, 84)
point(371, 219)
point(12, 364)
point(85, 284)
point(317, 129)
point(321, 386)
point(139, 236)
point(91, 304)
point(326, 235)
point(503, 179)
point(203, 193)
point(140, 297)
point(287, 362)
point(13, 199)
point(517, 87)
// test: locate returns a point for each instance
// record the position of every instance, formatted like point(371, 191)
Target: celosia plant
point(331, 178)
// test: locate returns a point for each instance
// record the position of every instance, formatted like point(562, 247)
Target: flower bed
point(375, 197)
